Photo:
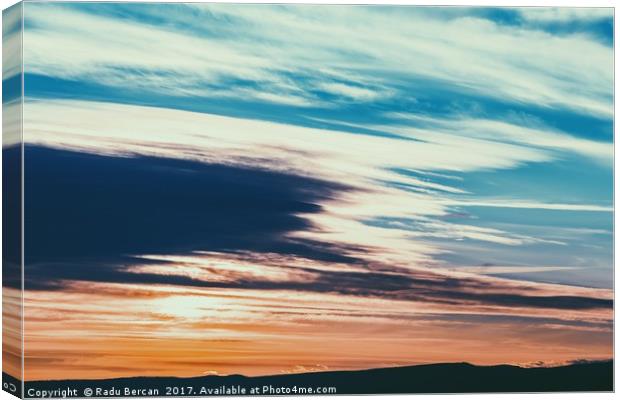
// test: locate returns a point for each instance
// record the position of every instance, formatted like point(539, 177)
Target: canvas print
point(234, 199)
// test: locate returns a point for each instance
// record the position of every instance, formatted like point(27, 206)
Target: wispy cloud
point(563, 14)
point(517, 65)
point(363, 161)
point(523, 132)
point(503, 203)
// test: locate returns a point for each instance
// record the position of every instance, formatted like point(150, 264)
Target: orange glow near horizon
point(11, 332)
point(97, 330)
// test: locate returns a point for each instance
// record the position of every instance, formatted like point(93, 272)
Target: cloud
point(507, 269)
point(111, 211)
point(352, 92)
point(380, 171)
point(381, 47)
point(506, 203)
point(564, 14)
point(12, 42)
point(368, 164)
point(112, 208)
point(523, 133)
point(422, 286)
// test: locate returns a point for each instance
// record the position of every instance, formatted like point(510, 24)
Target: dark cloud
point(11, 216)
point(98, 211)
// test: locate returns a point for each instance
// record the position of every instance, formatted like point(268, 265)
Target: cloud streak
point(518, 65)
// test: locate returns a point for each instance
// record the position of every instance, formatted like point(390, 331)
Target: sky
point(266, 189)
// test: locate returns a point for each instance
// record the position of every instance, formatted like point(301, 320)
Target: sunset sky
point(257, 189)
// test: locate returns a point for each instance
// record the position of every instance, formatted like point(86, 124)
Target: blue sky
point(464, 142)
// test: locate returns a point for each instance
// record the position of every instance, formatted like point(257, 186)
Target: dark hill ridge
point(429, 378)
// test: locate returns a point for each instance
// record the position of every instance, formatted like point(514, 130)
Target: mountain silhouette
point(428, 378)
